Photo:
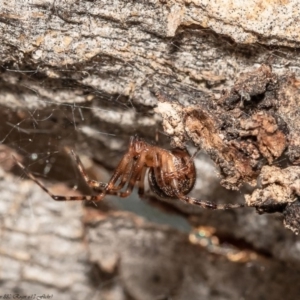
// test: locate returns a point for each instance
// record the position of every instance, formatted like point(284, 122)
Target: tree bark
point(87, 75)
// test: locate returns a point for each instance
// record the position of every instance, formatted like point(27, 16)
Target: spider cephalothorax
point(171, 174)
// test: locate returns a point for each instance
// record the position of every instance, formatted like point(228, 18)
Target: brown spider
point(172, 174)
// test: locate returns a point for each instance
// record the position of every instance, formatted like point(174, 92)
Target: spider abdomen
point(178, 175)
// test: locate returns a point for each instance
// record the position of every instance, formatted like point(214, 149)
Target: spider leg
point(207, 204)
point(108, 189)
point(93, 184)
point(136, 175)
point(141, 189)
point(98, 186)
point(168, 168)
point(159, 161)
point(33, 178)
point(203, 203)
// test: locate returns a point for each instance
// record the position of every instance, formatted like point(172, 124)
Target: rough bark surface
point(87, 75)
